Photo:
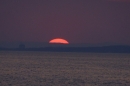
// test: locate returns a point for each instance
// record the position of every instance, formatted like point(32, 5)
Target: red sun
point(59, 41)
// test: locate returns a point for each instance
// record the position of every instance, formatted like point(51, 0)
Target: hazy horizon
point(43, 44)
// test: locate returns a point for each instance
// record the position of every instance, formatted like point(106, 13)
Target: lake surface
point(30, 68)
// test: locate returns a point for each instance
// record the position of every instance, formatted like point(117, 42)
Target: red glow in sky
point(79, 21)
point(59, 40)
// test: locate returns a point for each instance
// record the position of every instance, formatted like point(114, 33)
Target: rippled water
point(26, 68)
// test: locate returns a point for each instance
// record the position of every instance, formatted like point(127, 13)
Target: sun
point(58, 41)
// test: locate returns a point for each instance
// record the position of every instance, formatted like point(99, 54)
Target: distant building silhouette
point(21, 46)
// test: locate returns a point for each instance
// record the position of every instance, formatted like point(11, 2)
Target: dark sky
point(78, 21)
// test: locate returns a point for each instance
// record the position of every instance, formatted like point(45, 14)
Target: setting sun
point(59, 40)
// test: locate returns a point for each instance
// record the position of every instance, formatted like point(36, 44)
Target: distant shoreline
point(103, 49)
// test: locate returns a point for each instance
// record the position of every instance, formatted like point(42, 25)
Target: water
point(30, 68)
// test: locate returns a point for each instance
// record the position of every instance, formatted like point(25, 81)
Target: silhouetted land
point(103, 49)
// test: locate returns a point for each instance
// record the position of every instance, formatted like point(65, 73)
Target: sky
point(77, 21)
